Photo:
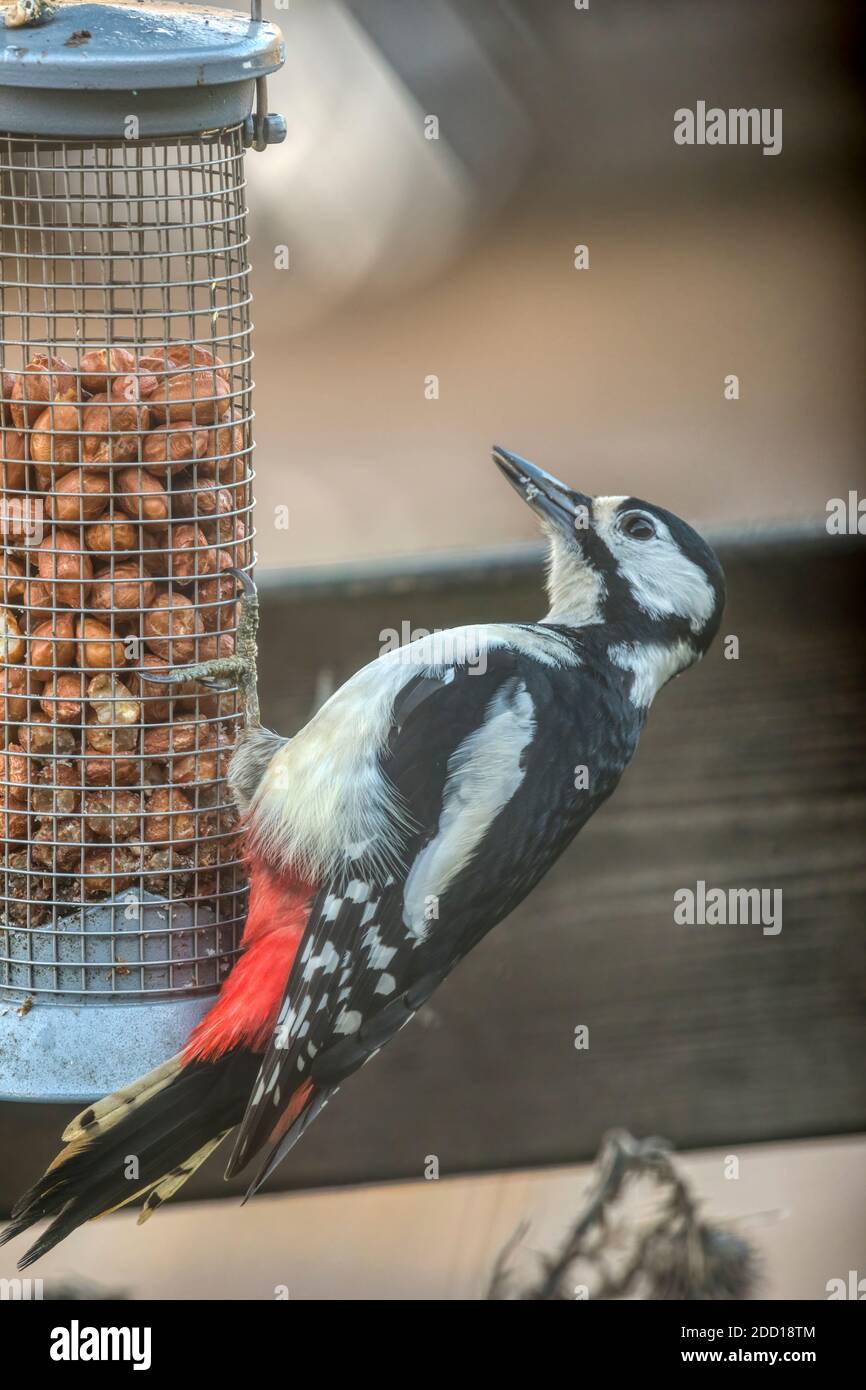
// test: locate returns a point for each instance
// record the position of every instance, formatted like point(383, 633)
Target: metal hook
point(263, 127)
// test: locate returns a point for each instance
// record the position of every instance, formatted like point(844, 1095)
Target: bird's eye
point(637, 527)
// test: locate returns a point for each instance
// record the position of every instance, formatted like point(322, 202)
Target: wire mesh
point(125, 468)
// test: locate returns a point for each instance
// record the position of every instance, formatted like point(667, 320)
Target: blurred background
point(416, 300)
point(453, 257)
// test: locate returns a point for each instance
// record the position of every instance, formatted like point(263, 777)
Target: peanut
point(14, 691)
point(171, 447)
point(62, 699)
point(7, 382)
point(169, 817)
point(126, 588)
point(11, 578)
point(205, 765)
point(52, 642)
point(170, 627)
point(14, 825)
point(181, 736)
point(168, 871)
point(113, 814)
point(107, 772)
point(58, 790)
point(15, 773)
point(11, 642)
point(97, 647)
point(13, 454)
point(218, 599)
point(109, 738)
point(114, 427)
point(189, 555)
point(109, 869)
point(143, 497)
point(176, 357)
point(226, 444)
point(44, 379)
point(57, 845)
point(112, 701)
point(54, 439)
point(201, 396)
point(99, 365)
point(79, 496)
point(109, 535)
point(64, 569)
point(41, 736)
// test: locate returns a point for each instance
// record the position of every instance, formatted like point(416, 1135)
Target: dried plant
point(616, 1252)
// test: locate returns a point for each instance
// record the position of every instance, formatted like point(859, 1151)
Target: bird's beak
point(545, 494)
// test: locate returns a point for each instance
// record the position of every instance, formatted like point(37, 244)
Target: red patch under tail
point(246, 1011)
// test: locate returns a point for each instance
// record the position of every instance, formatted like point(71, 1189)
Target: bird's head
point(638, 569)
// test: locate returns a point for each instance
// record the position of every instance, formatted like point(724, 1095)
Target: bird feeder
point(126, 499)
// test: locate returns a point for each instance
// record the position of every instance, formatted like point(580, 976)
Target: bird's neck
point(650, 665)
point(576, 590)
point(638, 660)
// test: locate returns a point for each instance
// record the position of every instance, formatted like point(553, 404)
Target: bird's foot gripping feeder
point(126, 529)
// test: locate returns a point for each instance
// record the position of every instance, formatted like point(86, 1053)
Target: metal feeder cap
point(177, 69)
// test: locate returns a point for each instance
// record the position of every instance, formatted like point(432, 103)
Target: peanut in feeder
point(127, 616)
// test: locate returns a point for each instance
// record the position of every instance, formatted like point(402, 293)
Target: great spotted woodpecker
point(413, 812)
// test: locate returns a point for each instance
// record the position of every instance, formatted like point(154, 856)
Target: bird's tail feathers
point(283, 1138)
point(105, 1113)
point(144, 1141)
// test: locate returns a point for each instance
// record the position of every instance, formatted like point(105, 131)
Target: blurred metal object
point(126, 498)
point(382, 195)
point(449, 59)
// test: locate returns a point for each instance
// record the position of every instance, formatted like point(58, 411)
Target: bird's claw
point(225, 673)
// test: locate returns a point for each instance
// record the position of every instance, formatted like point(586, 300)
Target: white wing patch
point(323, 809)
point(483, 775)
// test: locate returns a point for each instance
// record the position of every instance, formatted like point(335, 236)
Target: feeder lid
point(178, 68)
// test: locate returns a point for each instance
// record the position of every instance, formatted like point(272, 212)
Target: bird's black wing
point(360, 972)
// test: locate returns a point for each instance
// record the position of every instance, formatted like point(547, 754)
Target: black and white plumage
point(432, 792)
point(416, 809)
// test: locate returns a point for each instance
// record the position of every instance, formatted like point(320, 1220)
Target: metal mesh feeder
point(125, 505)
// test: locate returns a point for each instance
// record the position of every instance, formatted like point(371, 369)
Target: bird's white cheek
point(665, 583)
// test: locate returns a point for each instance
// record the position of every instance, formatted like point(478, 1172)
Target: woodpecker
point(421, 803)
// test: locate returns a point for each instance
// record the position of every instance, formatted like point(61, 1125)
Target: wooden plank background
point(751, 773)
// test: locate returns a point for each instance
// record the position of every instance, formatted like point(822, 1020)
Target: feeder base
point(64, 1053)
